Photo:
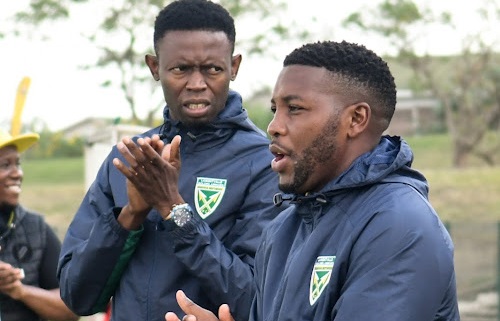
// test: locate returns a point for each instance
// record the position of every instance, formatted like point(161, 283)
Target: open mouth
point(196, 106)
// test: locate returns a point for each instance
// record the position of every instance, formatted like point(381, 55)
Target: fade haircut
point(205, 15)
point(356, 69)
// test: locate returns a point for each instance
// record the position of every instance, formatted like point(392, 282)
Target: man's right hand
point(196, 313)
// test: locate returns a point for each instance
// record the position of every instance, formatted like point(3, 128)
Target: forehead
point(8, 151)
point(303, 81)
point(198, 44)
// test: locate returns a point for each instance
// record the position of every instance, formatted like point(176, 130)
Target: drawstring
point(10, 226)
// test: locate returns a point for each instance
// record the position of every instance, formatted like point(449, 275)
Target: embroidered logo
point(208, 194)
point(322, 271)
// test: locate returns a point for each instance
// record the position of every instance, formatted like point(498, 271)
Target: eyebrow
point(288, 98)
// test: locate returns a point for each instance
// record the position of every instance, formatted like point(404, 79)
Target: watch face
point(181, 214)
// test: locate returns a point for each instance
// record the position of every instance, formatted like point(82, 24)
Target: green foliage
point(435, 151)
point(54, 145)
point(466, 85)
point(132, 20)
point(40, 10)
point(259, 115)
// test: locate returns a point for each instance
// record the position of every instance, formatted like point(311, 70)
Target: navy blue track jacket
point(368, 247)
point(226, 178)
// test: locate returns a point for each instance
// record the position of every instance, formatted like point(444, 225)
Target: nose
point(196, 81)
point(276, 126)
point(16, 170)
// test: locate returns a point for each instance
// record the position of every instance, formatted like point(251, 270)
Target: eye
point(4, 165)
point(213, 70)
point(179, 69)
point(293, 108)
point(273, 109)
point(7, 165)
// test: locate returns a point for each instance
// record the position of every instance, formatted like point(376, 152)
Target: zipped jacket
point(368, 246)
point(25, 246)
point(227, 179)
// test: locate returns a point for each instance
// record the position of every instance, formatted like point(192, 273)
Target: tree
point(467, 85)
point(124, 35)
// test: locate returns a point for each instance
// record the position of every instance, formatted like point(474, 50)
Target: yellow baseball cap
point(22, 142)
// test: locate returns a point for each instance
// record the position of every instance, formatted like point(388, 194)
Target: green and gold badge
point(207, 194)
point(322, 271)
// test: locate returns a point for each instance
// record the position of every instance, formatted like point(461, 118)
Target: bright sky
point(61, 93)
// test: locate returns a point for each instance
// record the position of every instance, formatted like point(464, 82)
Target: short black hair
point(356, 67)
point(194, 15)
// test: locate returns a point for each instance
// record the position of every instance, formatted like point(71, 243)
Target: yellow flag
point(22, 91)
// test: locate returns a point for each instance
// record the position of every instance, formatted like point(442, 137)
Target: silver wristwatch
point(181, 214)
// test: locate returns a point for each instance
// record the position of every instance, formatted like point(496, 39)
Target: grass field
point(468, 199)
point(55, 187)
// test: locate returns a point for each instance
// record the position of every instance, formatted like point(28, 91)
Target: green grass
point(467, 198)
point(431, 151)
point(457, 194)
point(54, 187)
point(53, 170)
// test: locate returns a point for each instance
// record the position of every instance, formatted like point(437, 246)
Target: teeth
point(15, 188)
point(196, 106)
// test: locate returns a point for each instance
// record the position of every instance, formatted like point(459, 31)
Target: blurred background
point(73, 71)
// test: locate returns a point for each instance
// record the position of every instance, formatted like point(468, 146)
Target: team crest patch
point(322, 271)
point(208, 194)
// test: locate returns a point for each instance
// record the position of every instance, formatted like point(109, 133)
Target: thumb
point(225, 313)
point(193, 309)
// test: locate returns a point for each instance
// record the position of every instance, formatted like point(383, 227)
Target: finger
point(225, 313)
point(151, 149)
point(128, 172)
point(172, 152)
point(157, 143)
point(170, 316)
point(137, 149)
point(124, 147)
point(191, 308)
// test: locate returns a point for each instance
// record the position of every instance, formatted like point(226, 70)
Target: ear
point(152, 62)
point(359, 118)
point(235, 66)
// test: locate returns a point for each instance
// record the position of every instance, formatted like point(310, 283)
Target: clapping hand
point(196, 313)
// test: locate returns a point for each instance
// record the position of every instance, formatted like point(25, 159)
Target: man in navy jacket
point(144, 230)
point(361, 241)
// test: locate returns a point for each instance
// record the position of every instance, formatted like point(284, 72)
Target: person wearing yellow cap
point(29, 248)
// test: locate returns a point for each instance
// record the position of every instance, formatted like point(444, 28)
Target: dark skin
point(194, 69)
point(306, 107)
point(46, 303)
point(196, 313)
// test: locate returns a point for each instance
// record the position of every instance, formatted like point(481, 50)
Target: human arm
point(96, 248)
point(401, 268)
point(43, 299)
point(196, 313)
point(152, 177)
point(46, 303)
point(220, 249)
point(103, 235)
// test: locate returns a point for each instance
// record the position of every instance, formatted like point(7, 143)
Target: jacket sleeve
point(95, 250)
point(400, 269)
point(227, 266)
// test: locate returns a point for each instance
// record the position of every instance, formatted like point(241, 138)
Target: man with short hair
point(145, 230)
point(361, 241)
